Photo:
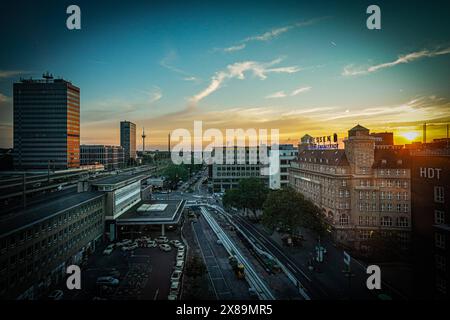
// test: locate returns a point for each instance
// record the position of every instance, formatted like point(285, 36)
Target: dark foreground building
point(46, 124)
point(430, 196)
point(40, 242)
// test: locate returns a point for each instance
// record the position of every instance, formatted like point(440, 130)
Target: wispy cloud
point(278, 94)
point(300, 90)
point(238, 70)
point(167, 62)
point(282, 94)
point(352, 70)
point(271, 34)
point(11, 73)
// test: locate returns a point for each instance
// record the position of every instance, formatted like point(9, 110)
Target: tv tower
point(143, 139)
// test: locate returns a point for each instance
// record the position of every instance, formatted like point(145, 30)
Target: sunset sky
point(300, 67)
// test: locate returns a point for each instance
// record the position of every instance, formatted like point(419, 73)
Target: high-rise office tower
point(46, 124)
point(128, 140)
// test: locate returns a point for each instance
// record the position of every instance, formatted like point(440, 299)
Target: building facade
point(431, 223)
point(38, 244)
point(46, 124)
point(112, 157)
point(236, 164)
point(128, 140)
point(280, 179)
point(360, 189)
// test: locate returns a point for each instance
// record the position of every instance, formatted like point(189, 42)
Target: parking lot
point(142, 274)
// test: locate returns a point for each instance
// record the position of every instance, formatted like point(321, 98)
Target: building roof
point(334, 157)
point(153, 212)
point(117, 179)
point(43, 211)
point(358, 127)
point(391, 159)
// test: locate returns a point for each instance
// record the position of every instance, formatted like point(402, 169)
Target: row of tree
point(285, 208)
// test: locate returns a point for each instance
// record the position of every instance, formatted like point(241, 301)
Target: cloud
point(238, 70)
point(235, 48)
point(12, 73)
point(351, 70)
point(282, 94)
point(300, 90)
point(278, 94)
point(155, 94)
point(167, 61)
point(271, 34)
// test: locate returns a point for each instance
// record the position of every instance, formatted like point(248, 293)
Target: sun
point(410, 135)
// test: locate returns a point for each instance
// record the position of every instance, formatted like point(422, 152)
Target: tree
point(289, 210)
point(232, 198)
point(175, 173)
point(252, 194)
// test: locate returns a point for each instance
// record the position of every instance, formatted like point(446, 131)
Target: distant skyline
point(298, 66)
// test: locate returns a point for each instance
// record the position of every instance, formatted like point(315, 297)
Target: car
point(180, 256)
point(151, 244)
point(174, 288)
point(130, 247)
point(111, 246)
point(179, 265)
point(219, 241)
point(56, 295)
point(107, 251)
point(181, 249)
point(123, 243)
point(162, 239)
point(114, 273)
point(172, 297)
point(176, 275)
point(107, 281)
point(165, 247)
point(174, 242)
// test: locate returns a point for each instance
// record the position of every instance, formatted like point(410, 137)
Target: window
point(441, 285)
point(439, 217)
point(440, 262)
point(439, 240)
point(439, 194)
point(386, 221)
point(402, 222)
point(343, 219)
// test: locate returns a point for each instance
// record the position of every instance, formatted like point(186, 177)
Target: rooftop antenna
point(47, 76)
point(143, 139)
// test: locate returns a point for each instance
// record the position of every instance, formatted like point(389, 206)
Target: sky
point(297, 66)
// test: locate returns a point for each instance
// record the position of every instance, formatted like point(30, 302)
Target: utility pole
point(143, 140)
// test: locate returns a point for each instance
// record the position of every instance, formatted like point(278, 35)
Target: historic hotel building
point(360, 189)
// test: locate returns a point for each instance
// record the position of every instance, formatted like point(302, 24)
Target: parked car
point(174, 287)
point(151, 244)
point(172, 297)
point(107, 251)
point(108, 281)
point(130, 247)
point(165, 247)
point(56, 295)
point(180, 256)
point(176, 275)
point(162, 239)
point(179, 265)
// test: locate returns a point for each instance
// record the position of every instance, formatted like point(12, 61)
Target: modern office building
point(38, 243)
point(128, 140)
point(112, 157)
point(237, 163)
point(46, 124)
point(430, 201)
point(280, 179)
point(360, 188)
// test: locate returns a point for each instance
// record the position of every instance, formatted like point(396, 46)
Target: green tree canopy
point(289, 209)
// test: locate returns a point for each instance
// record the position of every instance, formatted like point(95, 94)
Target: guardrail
point(263, 291)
